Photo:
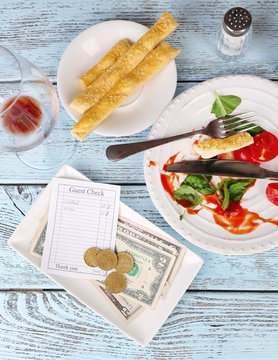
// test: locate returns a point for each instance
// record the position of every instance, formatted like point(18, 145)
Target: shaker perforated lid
point(237, 21)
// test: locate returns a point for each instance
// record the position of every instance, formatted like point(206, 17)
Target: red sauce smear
point(236, 219)
point(152, 163)
point(167, 182)
point(171, 160)
point(193, 211)
point(23, 117)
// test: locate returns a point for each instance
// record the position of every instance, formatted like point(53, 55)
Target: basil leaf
point(232, 189)
point(237, 189)
point(252, 132)
point(226, 197)
point(256, 130)
point(208, 177)
point(226, 181)
point(182, 215)
point(200, 183)
point(229, 124)
point(224, 105)
point(220, 188)
point(186, 192)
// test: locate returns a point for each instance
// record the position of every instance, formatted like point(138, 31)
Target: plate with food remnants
point(116, 77)
point(228, 215)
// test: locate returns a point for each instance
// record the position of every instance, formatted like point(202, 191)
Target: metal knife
point(232, 168)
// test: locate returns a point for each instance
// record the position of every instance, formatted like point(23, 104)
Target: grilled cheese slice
point(97, 70)
point(212, 147)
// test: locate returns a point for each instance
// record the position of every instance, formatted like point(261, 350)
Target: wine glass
point(28, 113)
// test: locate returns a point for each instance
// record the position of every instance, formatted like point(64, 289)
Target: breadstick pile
point(122, 71)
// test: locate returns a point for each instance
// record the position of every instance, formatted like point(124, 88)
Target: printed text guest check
point(82, 214)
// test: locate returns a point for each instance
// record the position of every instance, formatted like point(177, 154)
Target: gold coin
point(115, 282)
point(125, 262)
point(90, 257)
point(107, 259)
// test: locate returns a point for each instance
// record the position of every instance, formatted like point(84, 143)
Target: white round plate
point(192, 109)
point(142, 108)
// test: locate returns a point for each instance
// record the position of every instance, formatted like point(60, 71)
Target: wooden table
point(231, 308)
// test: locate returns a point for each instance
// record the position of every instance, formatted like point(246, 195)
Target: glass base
point(52, 153)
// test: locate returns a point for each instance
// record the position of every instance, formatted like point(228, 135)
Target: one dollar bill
point(37, 246)
point(37, 243)
point(169, 245)
point(146, 280)
point(126, 308)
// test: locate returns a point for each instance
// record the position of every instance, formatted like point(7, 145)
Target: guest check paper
point(82, 215)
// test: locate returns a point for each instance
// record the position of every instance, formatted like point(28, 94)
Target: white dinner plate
point(192, 109)
point(144, 327)
point(142, 108)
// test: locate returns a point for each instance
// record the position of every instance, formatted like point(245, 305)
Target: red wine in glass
point(21, 117)
point(28, 114)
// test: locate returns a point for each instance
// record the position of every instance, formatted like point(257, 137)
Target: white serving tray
point(145, 326)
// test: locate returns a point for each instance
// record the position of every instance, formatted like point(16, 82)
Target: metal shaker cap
point(237, 21)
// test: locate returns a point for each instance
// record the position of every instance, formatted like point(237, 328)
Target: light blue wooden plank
point(42, 30)
point(254, 272)
point(53, 325)
point(89, 158)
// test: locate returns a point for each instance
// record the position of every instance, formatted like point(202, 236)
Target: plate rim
point(76, 40)
point(227, 249)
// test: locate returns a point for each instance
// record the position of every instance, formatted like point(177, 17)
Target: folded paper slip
point(150, 66)
point(97, 70)
point(126, 63)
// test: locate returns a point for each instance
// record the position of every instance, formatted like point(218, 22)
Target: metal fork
point(217, 128)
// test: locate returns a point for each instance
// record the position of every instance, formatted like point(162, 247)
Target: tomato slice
point(228, 155)
point(244, 155)
point(265, 146)
point(234, 209)
point(272, 193)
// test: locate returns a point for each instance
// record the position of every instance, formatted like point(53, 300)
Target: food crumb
point(152, 163)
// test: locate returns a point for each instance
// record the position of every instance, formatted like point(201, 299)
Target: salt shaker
point(234, 34)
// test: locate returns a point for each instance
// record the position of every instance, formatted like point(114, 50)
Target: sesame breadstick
point(97, 70)
point(213, 147)
point(151, 65)
point(126, 63)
